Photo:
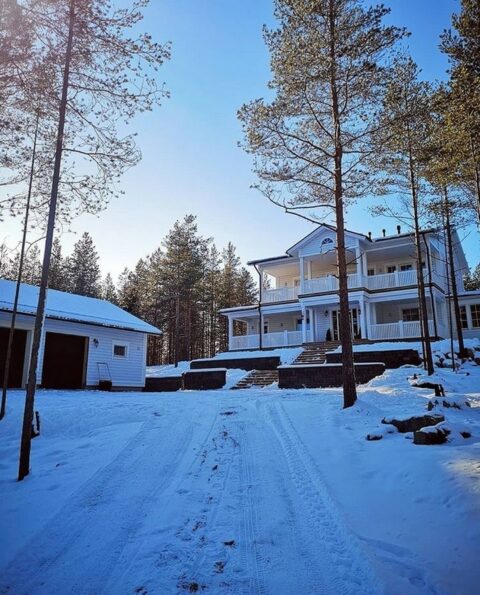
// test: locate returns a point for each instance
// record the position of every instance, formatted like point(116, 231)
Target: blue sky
point(191, 161)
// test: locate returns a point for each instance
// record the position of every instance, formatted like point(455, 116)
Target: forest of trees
point(186, 268)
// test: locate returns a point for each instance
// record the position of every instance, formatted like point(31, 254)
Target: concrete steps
point(314, 353)
point(258, 378)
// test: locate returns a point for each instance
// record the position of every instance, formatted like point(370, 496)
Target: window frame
point(120, 344)
point(408, 319)
point(475, 315)
point(464, 317)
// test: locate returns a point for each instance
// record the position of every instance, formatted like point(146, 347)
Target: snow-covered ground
point(257, 491)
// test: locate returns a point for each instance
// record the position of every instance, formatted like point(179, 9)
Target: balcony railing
point(399, 330)
point(270, 340)
point(355, 280)
point(396, 279)
point(284, 294)
point(330, 283)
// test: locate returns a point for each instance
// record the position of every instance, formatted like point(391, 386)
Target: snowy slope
point(259, 491)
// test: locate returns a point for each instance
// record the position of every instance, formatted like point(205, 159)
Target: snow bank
point(272, 491)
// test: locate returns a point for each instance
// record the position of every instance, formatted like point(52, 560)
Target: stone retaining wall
point(204, 379)
point(391, 359)
point(245, 363)
point(163, 384)
point(324, 375)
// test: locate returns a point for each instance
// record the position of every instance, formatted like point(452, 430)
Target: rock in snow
point(416, 422)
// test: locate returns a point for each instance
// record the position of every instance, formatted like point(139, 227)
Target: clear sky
point(191, 161)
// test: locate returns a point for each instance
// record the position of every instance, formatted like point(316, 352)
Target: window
point(327, 244)
point(371, 272)
point(406, 267)
point(410, 314)
point(475, 310)
point(392, 268)
point(120, 350)
point(463, 316)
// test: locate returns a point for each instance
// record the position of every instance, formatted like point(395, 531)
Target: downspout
point(260, 325)
point(430, 281)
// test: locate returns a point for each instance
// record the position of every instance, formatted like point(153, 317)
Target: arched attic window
point(326, 245)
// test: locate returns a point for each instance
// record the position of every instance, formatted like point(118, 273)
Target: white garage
point(85, 340)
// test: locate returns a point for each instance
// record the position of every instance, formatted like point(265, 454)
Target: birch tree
point(312, 141)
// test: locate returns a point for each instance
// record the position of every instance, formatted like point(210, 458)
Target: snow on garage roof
point(69, 306)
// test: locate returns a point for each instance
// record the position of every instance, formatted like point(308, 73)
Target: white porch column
point(310, 318)
point(368, 318)
point(363, 319)
point(358, 262)
point(302, 275)
point(304, 325)
point(230, 333)
point(309, 269)
point(364, 266)
point(313, 323)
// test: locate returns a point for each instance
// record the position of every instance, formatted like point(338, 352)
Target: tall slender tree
point(104, 75)
point(462, 46)
point(329, 62)
point(402, 148)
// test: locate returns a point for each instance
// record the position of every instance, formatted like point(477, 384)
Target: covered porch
point(400, 319)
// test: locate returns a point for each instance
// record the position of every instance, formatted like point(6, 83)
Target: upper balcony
point(328, 283)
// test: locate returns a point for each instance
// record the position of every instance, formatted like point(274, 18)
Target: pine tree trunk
point(25, 446)
point(348, 368)
point(453, 279)
point(422, 300)
point(11, 333)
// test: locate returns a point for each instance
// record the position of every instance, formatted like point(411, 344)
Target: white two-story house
point(299, 291)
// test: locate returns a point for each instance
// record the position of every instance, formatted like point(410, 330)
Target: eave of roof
point(272, 259)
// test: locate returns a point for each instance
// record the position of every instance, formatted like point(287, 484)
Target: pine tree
point(311, 142)
point(83, 269)
point(462, 46)
point(108, 291)
point(472, 279)
point(103, 75)
point(57, 274)
point(402, 145)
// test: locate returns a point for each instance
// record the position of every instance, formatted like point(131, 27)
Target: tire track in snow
point(252, 561)
point(344, 561)
point(77, 551)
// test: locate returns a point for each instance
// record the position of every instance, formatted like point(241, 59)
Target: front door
point(354, 321)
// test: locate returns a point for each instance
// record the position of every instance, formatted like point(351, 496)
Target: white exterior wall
point(125, 372)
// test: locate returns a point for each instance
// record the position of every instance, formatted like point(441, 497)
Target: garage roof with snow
point(72, 307)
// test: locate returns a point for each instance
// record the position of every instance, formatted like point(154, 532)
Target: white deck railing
point(397, 279)
point(271, 340)
point(330, 283)
point(398, 330)
point(284, 294)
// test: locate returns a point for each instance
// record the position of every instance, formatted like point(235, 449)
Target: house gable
point(322, 240)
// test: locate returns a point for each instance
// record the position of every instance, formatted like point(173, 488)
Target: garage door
point(64, 361)
point(18, 356)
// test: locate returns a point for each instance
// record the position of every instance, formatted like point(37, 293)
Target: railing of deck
point(330, 283)
point(398, 330)
point(284, 294)
point(269, 340)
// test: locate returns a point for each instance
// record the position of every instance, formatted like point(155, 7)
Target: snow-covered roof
point(69, 306)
